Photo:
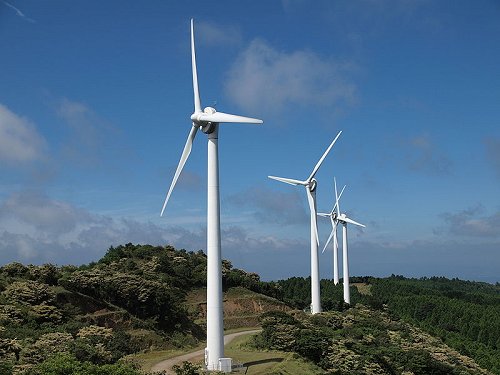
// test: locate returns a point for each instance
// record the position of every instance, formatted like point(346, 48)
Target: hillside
point(136, 298)
point(242, 307)
point(463, 314)
point(141, 298)
point(361, 340)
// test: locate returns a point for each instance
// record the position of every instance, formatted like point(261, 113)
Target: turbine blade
point(338, 198)
point(226, 117)
point(185, 154)
point(287, 180)
point(323, 157)
point(328, 241)
point(312, 207)
point(350, 221)
point(322, 214)
point(197, 103)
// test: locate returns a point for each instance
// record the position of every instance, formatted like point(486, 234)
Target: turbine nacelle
point(345, 220)
point(206, 127)
point(312, 184)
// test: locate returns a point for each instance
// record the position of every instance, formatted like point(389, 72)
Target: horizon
point(95, 108)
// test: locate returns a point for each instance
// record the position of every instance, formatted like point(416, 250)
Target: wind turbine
point(344, 220)
point(333, 214)
point(310, 184)
point(208, 121)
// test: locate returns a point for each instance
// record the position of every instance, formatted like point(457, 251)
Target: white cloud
point(269, 206)
point(39, 229)
point(40, 213)
point(472, 222)
point(20, 141)
point(266, 80)
point(45, 237)
point(88, 133)
point(217, 35)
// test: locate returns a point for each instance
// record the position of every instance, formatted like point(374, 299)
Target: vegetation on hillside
point(361, 340)
point(464, 314)
point(90, 317)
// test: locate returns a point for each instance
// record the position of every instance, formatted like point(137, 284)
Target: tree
point(29, 292)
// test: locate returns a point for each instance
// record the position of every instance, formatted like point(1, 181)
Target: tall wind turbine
point(344, 220)
point(310, 184)
point(333, 219)
point(208, 121)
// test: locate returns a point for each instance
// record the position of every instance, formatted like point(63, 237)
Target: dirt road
point(167, 364)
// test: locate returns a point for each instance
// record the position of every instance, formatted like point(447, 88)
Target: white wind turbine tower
point(310, 184)
point(333, 219)
point(344, 220)
point(208, 121)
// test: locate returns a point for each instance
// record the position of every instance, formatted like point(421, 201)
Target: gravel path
point(167, 364)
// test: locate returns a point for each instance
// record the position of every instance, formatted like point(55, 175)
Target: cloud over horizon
point(472, 222)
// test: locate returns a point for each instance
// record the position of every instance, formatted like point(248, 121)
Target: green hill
point(361, 340)
point(465, 315)
point(136, 298)
point(143, 299)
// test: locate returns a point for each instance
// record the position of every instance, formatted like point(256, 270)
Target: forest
point(464, 314)
point(89, 319)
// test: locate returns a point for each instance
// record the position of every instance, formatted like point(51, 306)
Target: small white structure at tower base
point(225, 364)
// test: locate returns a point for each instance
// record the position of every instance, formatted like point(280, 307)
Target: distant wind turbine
point(333, 214)
point(344, 220)
point(208, 121)
point(310, 184)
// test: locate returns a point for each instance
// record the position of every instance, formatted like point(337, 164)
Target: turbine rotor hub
point(208, 127)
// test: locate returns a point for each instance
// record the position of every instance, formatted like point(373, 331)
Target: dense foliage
point(89, 317)
point(296, 292)
point(465, 314)
point(361, 340)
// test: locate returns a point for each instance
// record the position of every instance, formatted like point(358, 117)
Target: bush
point(187, 368)
point(66, 364)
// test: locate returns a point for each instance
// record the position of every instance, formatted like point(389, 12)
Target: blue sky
point(95, 102)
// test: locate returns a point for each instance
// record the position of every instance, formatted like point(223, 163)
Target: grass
point(266, 362)
point(253, 362)
point(148, 359)
point(363, 288)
